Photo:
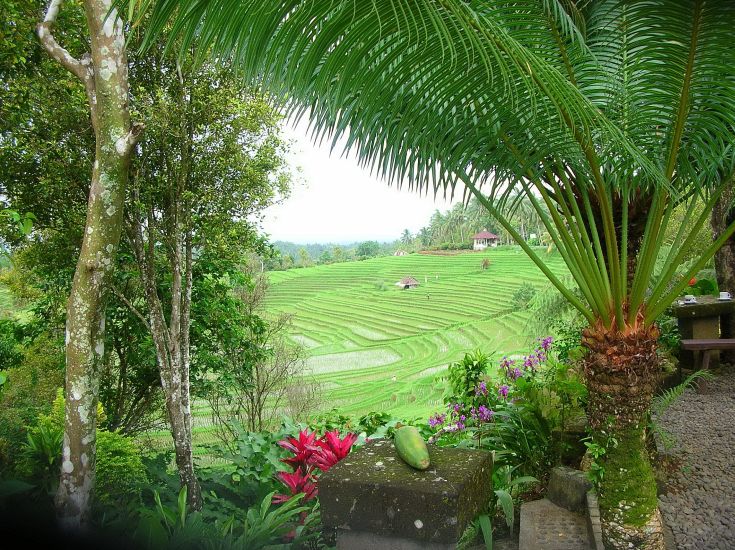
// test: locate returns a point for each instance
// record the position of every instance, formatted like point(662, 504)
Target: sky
point(334, 200)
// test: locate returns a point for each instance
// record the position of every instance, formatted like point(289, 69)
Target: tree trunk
point(103, 72)
point(172, 347)
point(620, 371)
point(723, 214)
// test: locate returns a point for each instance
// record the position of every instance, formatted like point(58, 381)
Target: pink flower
point(297, 482)
point(302, 448)
point(330, 449)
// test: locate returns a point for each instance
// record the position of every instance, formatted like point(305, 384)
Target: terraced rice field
point(375, 346)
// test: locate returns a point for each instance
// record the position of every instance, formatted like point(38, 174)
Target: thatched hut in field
point(407, 282)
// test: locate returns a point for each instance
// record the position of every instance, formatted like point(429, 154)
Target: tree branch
point(130, 306)
point(125, 145)
point(81, 69)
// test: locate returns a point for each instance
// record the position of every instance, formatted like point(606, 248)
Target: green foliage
point(597, 469)
point(261, 526)
point(702, 287)
point(119, 471)
point(507, 486)
point(120, 474)
point(667, 398)
point(367, 249)
point(257, 457)
point(523, 296)
point(11, 344)
point(29, 390)
point(669, 338)
point(41, 457)
point(527, 424)
point(465, 375)
point(23, 223)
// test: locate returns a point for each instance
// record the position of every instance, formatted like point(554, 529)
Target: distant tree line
point(287, 255)
point(451, 230)
point(454, 228)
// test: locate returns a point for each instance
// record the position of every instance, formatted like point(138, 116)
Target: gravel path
point(699, 505)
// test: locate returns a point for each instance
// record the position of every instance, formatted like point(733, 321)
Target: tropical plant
point(119, 471)
point(261, 526)
point(667, 398)
point(521, 418)
point(310, 456)
point(465, 375)
point(610, 113)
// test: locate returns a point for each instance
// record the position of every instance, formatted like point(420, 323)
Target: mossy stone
point(374, 491)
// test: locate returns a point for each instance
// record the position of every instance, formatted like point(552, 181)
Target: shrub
point(523, 296)
point(465, 375)
point(120, 474)
point(119, 471)
point(520, 417)
point(28, 392)
point(11, 336)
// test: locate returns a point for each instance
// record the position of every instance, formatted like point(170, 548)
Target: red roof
point(485, 235)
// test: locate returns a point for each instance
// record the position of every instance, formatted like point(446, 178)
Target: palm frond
point(598, 112)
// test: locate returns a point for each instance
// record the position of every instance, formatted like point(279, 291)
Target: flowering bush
point(310, 456)
point(517, 415)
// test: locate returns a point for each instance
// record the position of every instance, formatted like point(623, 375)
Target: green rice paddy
point(376, 347)
point(373, 346)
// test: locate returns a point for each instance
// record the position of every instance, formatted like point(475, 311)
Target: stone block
point(373, 496)
point(546, 526)
point(594, 523)
point(568, 488)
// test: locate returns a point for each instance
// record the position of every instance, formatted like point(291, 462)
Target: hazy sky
point(337, 201)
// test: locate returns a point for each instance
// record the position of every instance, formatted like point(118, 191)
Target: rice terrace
point(300, 275)
point(376, 347)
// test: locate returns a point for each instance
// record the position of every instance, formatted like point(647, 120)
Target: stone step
point(568, 488)
point(546, 526)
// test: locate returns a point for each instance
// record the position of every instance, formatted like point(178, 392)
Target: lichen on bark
point(108, 100)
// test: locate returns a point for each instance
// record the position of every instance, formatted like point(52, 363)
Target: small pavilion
point(483, 239)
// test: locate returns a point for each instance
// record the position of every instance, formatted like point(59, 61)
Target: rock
point(397, 504)
point(568, 488)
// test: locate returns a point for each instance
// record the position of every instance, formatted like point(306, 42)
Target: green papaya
point(411, 447)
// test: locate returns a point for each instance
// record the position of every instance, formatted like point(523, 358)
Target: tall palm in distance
point(608, 113)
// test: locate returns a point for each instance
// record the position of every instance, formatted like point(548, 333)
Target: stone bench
point(375, 501)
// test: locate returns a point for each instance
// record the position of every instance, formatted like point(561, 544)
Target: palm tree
point(406, 237)
point(610, 113)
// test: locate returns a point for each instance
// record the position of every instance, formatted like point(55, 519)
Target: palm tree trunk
point(620, 371)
